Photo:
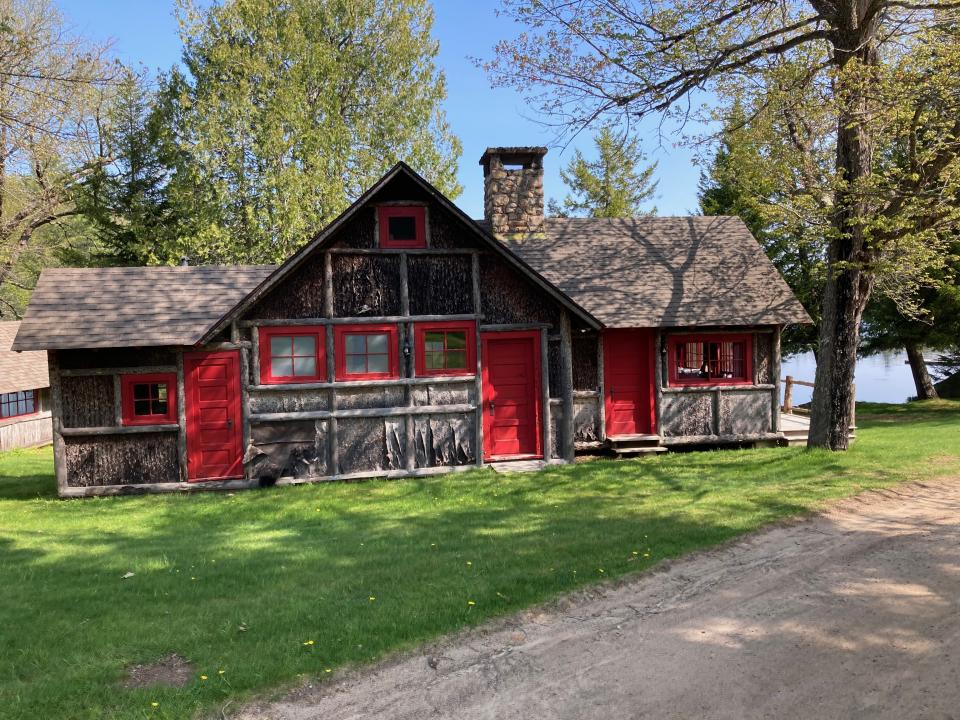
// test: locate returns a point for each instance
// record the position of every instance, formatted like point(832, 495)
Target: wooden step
point(640, 450)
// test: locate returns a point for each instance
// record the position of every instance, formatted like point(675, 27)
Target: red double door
point(628, 359)
point(511, 395)
point(214, 434)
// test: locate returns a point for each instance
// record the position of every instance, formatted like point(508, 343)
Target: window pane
point(456, 340)
point(356, 344)
point(402, 228)
point(378, 363)
point(21, 406)
point(161, 391)
point(305, 366)
point(433, 341)
point(30, 405)
point(281, 367)
point(141, 391)
point(434, 360)
point(457, 360)
point(356, 363)
point(141, 407)
point(377, 343)
point(160, 407)
point(304, 345)
point(280, 345)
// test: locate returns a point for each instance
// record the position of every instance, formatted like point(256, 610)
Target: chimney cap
point(510, 155)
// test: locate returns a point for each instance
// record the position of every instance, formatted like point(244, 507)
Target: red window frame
point(14, 399)
point(677, 343)
point(419, 215)
point(318, 332)
point(127, 383)
point(420, 331)
point(340, 335)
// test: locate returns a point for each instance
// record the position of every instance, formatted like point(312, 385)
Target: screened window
point(710, 360)
point(446, 348)
point(291, 356)
point(23, 402)
point(402, 227)
point(367, 352)
point(149, 399)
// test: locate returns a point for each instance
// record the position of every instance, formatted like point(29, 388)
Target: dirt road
point(854, 613)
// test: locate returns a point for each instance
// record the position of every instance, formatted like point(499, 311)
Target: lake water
point(880, 378)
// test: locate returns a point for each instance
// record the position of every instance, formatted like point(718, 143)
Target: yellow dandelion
point(220, 672)
point(599, 570)
point(308, 642)
point(203, 677)
point(646, 554)
point(469, 563)
point(193, 578)
point(154, 704)
point(470, 602)
point(327, 670)
point(635, 552)
point(372, 598)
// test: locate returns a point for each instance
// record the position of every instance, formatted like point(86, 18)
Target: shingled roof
point(20, 371)
point(132, 307)
point(662, 271)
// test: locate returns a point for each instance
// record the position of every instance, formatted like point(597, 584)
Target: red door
point(628, 382)
point(511, 395)
point(212, 393)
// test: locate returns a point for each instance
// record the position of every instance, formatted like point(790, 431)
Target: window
point(713, 360)
point(446, 348)
point(13, 404)
point(292, 355)
point(402, 227)
point(149, 399)
point(366, 352)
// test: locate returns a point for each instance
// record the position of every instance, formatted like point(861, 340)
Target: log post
point(478, 383)
point(788, 394)
point(56, 418)
point(566, 385)
point(333, 448)
point(601, 399)
point(181, 417)
point(775, 370)
point(657, 379)
point(545, 394)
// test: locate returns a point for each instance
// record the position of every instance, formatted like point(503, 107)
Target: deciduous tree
point(884, 67)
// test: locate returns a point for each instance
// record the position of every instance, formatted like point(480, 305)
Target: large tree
point(616, 184)
point(884, 67)
point(53, 86)
point(285, 112)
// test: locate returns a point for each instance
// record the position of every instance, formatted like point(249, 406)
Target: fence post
point(788, 394)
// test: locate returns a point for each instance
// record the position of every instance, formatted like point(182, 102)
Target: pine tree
point(612, 186)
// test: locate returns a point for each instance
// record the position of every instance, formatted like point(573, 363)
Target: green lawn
point(267, 586)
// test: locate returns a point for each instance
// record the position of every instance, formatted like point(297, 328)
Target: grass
point(272, 585)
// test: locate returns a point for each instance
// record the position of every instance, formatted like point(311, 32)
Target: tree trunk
point(921, 378)
point(849, 276)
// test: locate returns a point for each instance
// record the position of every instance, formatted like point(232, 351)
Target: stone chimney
point(513, 189)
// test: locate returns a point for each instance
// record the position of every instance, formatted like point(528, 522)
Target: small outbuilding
point(24, 394)
point(406, 339)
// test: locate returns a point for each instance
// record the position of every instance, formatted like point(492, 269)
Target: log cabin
point(407, 339)
point(24, 394)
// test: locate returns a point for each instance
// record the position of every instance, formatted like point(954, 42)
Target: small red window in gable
point(292, 354)
point(446, 348)
point(402, 227)
point(711, 360)
point(149, 399)
point(366, 352)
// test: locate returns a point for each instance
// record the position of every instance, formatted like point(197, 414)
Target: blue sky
point(145, 31)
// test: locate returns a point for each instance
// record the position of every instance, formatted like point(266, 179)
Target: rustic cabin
point(407, 339)
point(24, 394)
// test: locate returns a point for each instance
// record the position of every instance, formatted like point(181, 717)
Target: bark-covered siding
point(299, 296)
point(440, 285)
point(508, 298)
point(586, 420)
point(445, 440)
point(445, 394)
point(368, 444)
point(445, 232)
point(556, 368)
point(686, 414)
point(763, 360)
point(272, 401)
point(88, 401)
point(366, 285)
point(296, 449)
point(585, 371)
point(122, 459)
point(360, 231)
point(745, 413)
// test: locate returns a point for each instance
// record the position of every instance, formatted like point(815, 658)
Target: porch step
point(635, 444)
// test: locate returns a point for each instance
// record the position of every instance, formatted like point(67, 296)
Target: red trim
point(11, 399)
point(417, 212)
point(126, 396)
point(214, 433)
point(318, 332)
point(421, 329)
point(342, 332)
point(674, 341)
point(533, 335)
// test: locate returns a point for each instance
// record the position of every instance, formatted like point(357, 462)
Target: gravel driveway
point(854, 613)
